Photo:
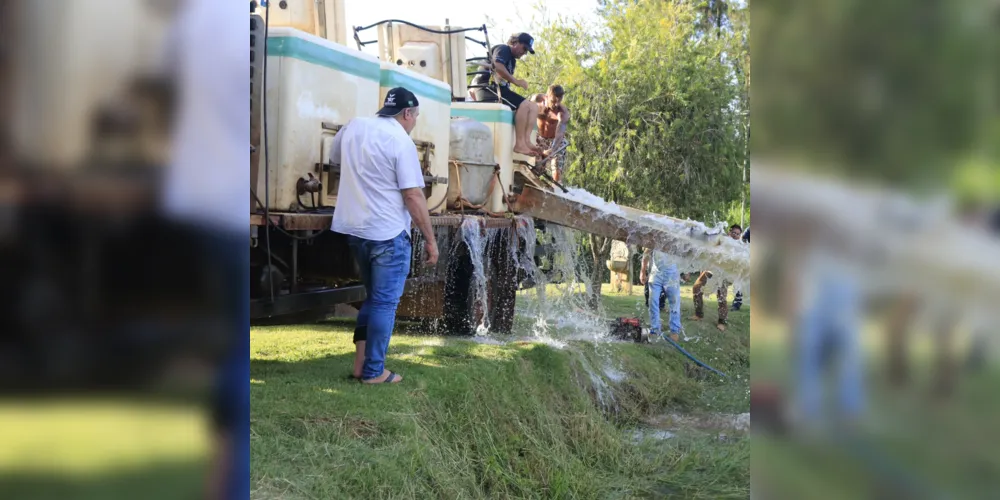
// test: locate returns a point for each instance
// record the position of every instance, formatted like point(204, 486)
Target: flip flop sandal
point(388, 380)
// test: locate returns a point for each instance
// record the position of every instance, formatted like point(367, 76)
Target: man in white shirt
point(381, 194)
point(205, 55)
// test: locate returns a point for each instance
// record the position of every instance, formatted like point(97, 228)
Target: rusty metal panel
point(484, 221)
point(556, 209)
point(446, 220)
point(422, 299)
point(323, 221)
point(258, 220)
point(306, 222)
point(424, 296)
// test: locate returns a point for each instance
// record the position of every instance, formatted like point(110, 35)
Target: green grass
point(101, 449)
point(472, 420)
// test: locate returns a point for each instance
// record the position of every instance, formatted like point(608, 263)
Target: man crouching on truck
point(497, 89)
point(381, 192)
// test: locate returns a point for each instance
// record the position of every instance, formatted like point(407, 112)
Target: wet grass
point(476, 420)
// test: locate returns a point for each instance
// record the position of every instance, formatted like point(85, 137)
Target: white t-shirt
point(377, 160)
point(208, 175)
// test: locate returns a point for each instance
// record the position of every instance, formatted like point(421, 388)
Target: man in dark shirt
point(497, 89)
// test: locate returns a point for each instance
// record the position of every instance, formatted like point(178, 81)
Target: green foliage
point(658, 103)
point(883, 90)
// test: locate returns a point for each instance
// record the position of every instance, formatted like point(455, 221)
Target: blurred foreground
point(124, 357)
point(876, 264)
point(875, 344)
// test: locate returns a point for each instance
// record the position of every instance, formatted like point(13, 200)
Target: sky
point(509, 16)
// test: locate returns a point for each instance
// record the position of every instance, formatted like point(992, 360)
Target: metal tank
point(473, 172)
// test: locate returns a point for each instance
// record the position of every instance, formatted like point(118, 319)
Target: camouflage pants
point(699, 298)
point(558, 162)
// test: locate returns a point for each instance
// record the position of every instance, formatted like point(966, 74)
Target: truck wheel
point(459, 306)
point(503, 280)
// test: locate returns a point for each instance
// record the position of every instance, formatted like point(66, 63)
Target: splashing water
point(557, 304)
point(553, 306)
point(553, 275)
point(592, 200)
point(605, 396)
point(706, 248)
point(696, 246)
point(482, 243)
point(474, 234)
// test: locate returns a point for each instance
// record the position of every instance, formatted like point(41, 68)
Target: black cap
point(397, 100)
point(527, 40)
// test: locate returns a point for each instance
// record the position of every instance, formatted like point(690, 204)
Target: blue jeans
point(384, 266)
point(669, 283)
point(832, 321)
point(228, 253)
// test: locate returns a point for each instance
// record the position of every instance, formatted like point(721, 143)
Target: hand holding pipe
point(541, 166)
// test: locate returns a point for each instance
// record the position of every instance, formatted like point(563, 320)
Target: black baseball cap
point(397, 100)
point(527, 40)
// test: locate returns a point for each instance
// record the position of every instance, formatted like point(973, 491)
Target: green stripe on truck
point(297, 48)
point(393, 79)
point(485, 115)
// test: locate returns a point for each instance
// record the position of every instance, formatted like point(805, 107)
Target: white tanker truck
point(306, 83)
point(307, 79)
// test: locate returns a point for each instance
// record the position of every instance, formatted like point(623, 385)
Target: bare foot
point(675, 337)
point(721, 327)
point(386, 377)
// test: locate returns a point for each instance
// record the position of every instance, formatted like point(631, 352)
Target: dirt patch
point(711, 421)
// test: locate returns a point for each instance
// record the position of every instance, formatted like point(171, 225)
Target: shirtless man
point(553, 117)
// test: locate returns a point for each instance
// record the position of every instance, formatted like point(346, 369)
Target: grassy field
point(101, 449)
point(478, 420)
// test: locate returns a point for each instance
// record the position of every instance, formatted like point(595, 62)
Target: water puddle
point(640, 435)
point(664, 427)
point(713, 421)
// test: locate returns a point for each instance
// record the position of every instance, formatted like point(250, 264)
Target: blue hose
point(692, 358)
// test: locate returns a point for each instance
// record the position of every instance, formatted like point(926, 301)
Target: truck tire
point(459, 308)
point(503, 283)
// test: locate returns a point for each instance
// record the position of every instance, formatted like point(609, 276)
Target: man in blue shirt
point(662, 276)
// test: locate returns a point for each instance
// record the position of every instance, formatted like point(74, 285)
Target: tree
point(887, 90)
point(659, 109)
